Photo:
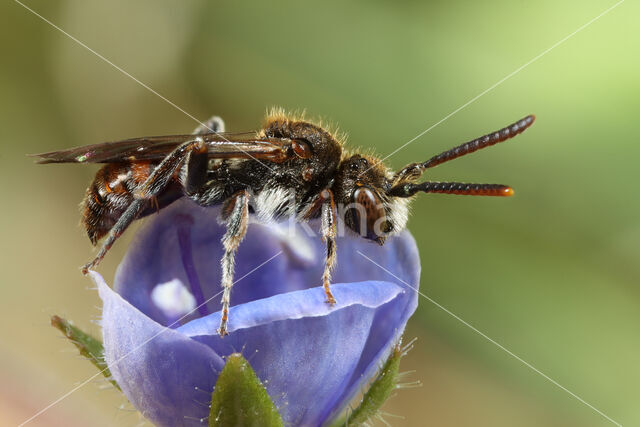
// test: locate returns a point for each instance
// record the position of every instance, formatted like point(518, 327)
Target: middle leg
point(237, 223)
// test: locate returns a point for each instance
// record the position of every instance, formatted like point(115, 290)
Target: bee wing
point(220, 145)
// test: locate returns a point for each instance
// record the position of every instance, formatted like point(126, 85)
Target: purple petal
point(308, 352)
point(160, 370)
point(315, 358)
point(156, 257)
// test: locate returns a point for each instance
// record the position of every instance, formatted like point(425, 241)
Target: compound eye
point(301, 148)
point(369, 217)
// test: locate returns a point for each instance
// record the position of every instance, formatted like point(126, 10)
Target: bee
point(290, 168)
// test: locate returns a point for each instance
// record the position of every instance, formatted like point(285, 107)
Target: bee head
point(373, 201)
point(361, 193)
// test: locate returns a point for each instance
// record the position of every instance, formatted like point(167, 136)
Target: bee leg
point(329, 231)
point(214, 124)
point(189, 152)
point(127, 217)
point(328, 214)
point(236, 209)
point(148, 190)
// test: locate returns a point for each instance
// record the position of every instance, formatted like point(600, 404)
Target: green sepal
point(89, 347)
point(240, 399)
point(381, 388)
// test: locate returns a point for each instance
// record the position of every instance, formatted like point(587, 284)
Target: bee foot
point(330, 300)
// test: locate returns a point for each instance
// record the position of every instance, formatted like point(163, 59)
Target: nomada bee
point(291, 168)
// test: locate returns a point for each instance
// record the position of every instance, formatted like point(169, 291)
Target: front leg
point(236, 211)
point(328, 215)
point(329, 231)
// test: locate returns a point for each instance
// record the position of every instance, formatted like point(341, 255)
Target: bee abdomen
point(109, 195)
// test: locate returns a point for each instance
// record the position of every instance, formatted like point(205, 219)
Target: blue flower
point(312, 358)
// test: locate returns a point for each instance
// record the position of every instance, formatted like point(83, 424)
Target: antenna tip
point(507, 192)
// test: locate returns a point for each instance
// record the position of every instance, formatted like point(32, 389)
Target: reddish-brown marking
point(110, 178)
point(373, 209)
point(140, 171)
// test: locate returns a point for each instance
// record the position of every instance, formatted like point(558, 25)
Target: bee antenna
point(460, 188)
point(414, 170)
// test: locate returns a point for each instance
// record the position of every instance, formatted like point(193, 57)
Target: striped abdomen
point(110, 193)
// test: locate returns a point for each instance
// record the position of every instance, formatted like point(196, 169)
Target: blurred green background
point(551, 274)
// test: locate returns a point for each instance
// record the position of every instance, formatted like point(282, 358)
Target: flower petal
point(156, 256)
point(397, 261)
point(305, 351)
point(173, 299)
point(167, 376)
point(289, 331)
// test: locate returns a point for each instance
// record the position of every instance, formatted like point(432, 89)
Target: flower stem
point(89, 347)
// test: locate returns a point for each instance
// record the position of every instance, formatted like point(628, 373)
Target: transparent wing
point(220, 145)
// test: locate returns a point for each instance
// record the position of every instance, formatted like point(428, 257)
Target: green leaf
point(240, 399)
point(381, 388)
point(89, 347)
